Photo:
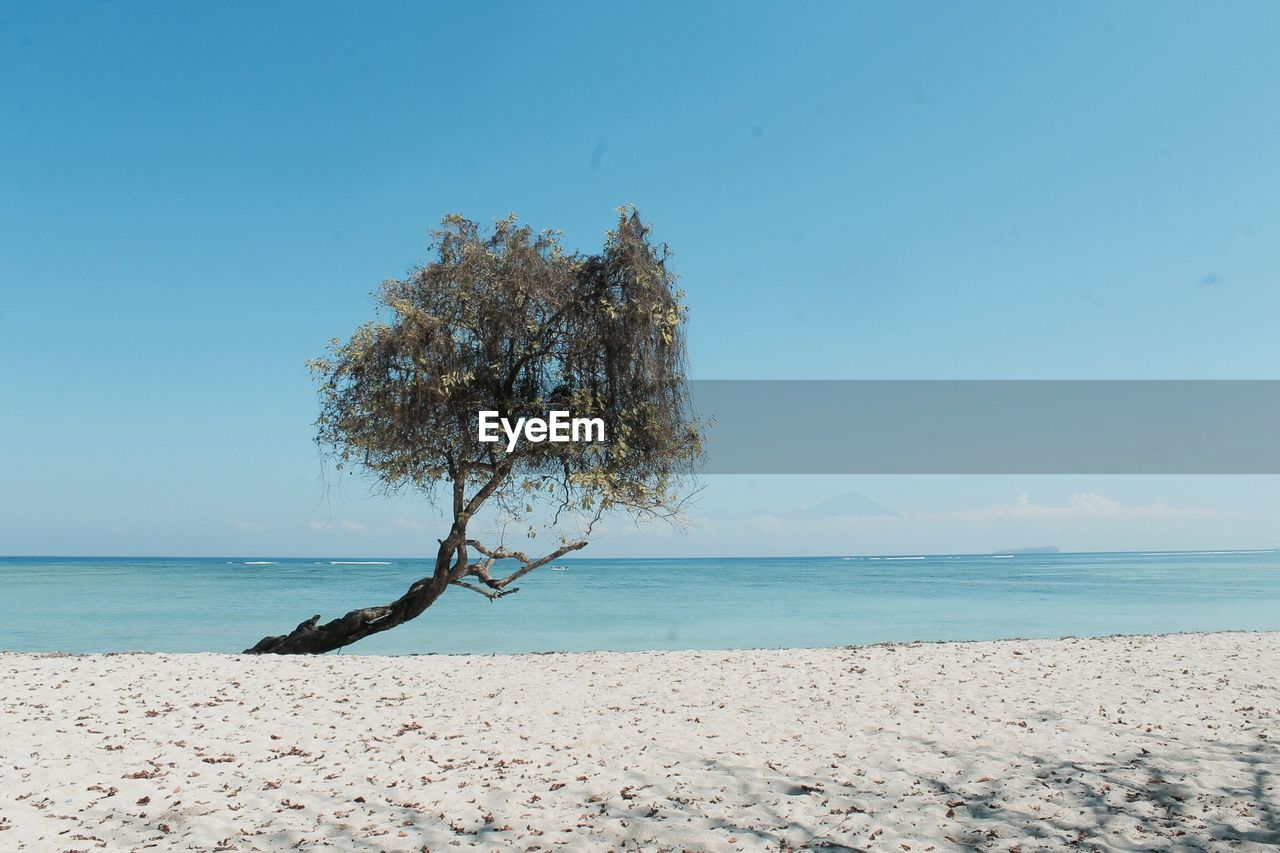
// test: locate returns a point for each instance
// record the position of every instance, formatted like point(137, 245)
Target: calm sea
point(97, 604)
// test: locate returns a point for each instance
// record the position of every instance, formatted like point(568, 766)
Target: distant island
point(1042, 549)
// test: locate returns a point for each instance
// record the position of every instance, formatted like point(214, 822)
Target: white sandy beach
point(1117, 743)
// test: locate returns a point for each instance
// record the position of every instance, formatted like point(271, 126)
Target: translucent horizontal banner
point(990, 426)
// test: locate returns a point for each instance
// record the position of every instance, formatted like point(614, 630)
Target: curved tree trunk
point(313, 638)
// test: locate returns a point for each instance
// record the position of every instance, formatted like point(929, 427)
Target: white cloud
point(1087, 505)
point(1087, 521)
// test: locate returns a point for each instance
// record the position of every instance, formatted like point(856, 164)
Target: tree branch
point(500, 472)
point(481, 570)
point(492, 595)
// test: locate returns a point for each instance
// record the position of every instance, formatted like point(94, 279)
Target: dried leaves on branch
point(506, 320)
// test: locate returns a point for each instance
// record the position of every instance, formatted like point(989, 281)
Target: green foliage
point(507, 320)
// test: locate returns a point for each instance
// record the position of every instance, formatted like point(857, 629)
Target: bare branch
point(500, 472)
point(527, 564)
point(492, 595)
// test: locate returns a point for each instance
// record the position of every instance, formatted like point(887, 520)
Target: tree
point(507, 321)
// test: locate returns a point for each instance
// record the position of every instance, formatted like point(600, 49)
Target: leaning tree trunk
point(313, 638)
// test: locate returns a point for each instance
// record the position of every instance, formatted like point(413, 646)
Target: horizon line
point(1013, 552)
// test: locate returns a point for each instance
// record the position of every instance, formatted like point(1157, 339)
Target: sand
point(1150, 743)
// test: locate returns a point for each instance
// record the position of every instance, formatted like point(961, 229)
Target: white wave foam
point(1208, 553)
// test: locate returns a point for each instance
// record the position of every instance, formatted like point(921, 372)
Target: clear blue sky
point(195, 197)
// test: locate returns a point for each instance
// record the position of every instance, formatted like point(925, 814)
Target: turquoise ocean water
point(94, 604)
